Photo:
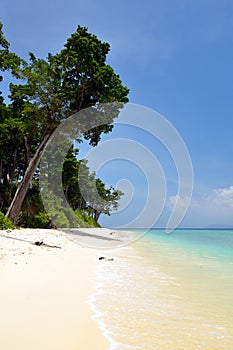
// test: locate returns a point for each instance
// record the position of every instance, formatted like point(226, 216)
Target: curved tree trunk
point(96, 215)
point(27, 151)
point(16, 204)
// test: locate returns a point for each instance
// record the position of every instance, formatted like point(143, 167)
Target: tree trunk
point(1, 170)
point(27, 151)
point(16, 204)
point(12, 168)
point(96, 215)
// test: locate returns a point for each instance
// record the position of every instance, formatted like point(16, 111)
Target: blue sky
point(176, 57)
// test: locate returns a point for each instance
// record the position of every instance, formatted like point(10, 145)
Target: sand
point(100, 238)
point(45, 289)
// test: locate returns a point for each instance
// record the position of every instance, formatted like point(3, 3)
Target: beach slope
point(44, 292)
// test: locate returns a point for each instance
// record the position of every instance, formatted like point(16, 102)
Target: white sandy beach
point(44, 291)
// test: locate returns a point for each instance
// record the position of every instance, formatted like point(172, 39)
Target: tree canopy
point(48, 92)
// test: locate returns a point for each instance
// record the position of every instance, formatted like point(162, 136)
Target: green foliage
point(5, 223)
point(94, 198)
point(55, 209)
point(40, 220)
point(86, 220)
point(8, 60)
point(75, 78)
point(59, 214)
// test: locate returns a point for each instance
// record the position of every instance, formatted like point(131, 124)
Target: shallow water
point(168, 292)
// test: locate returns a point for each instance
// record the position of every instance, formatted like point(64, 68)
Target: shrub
point(85, 220)
point(63, 218)
point(5, 223)
point(39, 220)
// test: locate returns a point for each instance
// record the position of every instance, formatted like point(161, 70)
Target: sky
point(176, 57)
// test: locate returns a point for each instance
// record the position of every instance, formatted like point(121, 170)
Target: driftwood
point(39, 243)
point(106, 259)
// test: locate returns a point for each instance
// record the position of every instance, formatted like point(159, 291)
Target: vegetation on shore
point(48, 92)
point(5, 223)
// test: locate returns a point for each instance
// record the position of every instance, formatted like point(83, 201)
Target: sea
point(167, 291)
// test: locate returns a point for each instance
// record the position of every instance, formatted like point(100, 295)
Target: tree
point(106, 201)
point(8, 60)
point(76, 78)
point(11, 131)
point(93, 197)
point(10, 127)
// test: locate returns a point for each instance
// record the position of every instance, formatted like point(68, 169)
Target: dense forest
point(43, 93)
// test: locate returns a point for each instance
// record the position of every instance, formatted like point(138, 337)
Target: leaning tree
point(77, 77)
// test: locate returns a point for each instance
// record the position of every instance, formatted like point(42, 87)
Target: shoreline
point(46, 290)
point(62, 295)
point(112, 262)
point(144, 300)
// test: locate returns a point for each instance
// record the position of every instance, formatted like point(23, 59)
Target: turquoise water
point(169, 291)
point(209, 248)
point(217, 243)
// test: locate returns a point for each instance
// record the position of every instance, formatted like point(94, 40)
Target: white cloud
point(181, 203)
point(224, 196)
point(216, 207)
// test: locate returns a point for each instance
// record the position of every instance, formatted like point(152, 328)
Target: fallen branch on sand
point(41, 243)
point(106, 259)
